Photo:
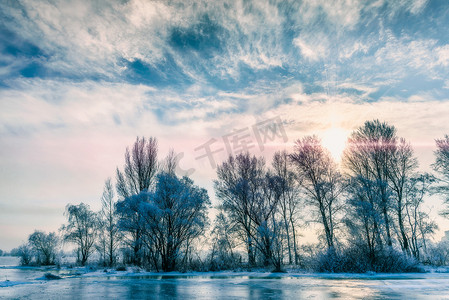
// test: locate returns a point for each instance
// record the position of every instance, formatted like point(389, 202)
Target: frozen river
point(22, 283)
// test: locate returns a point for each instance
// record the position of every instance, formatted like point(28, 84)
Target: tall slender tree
point(289, 201)
point(321, 182)
point(109, 220)
point(237, 186)
point(441, 166)
point(137, 176)
point(367, 156)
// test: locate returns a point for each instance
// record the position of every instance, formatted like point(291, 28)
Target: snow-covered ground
point(83, 283)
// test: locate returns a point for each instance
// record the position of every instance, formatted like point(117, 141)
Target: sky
point(80, 80)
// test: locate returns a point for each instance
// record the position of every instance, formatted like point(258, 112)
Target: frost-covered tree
point(321, 182)
point(174, 214)
point(44, 246)
point(81, 229)
point(137, 176)
point(25, 253)
point(251, 195)
point(367, 156)
point(382, 168)
point(363, 217)
point(130, 223)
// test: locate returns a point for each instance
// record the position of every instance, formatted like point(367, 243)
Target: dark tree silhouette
point(81, 229)
point(44, 246)
point(321, 182)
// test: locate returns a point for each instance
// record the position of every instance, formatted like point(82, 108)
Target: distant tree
point(224, 240)
point(441, 166)
point(170, 163)
point(82, 229)
point(14, 252)
point(44, 246)
point(174, 214)
point(321, 182)
point(110, 235)
point(137, 176)
point(439, 253)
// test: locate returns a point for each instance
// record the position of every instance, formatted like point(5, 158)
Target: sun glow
point(334, 139)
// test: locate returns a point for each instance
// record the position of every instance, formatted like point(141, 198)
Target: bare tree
point(401, 165)
point(109, 220)
point(82, 229)
point(321, 182)
point(170, 163)
point(44, 246)
point(137, 176)
point(237, 185)
point(367, 156)
point(419, 223)
point(139, 169)
point(441, 166)
point(289, 200)
point(266, 225)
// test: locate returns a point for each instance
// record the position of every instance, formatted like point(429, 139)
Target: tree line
point(369, 210)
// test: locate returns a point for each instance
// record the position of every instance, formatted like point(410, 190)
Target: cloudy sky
point(79, 80)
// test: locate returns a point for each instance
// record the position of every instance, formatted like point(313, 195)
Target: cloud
point(36, 105)
point(443, 55)
point(79, 80)
point(312, 50)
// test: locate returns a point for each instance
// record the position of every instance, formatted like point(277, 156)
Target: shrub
point(356, 260)
point(120, 268)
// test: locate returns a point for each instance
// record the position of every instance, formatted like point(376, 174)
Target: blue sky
point(79, 80)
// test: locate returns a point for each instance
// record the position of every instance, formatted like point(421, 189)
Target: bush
point(224, 262)
point(120, 268)
point(356, 260)
point(393, 261)
point(438, 254)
